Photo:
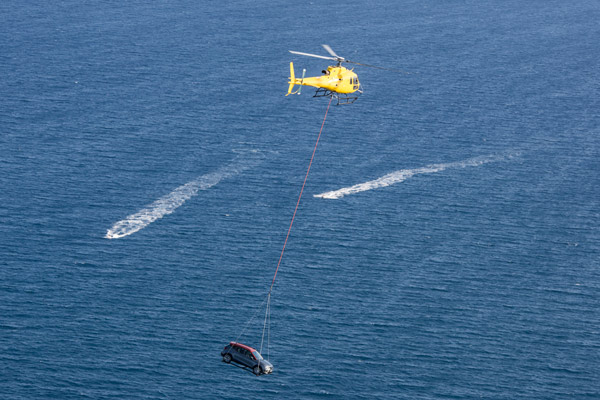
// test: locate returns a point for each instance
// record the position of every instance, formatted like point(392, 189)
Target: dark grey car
point(247, 357)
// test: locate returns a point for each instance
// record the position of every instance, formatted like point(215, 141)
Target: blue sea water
point(469, 269)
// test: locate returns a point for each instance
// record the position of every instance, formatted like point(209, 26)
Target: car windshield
point(257, 355)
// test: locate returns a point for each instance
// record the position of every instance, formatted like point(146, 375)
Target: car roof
point(242, 346)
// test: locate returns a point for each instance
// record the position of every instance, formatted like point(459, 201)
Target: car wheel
point(227, 358)
point(256, 370)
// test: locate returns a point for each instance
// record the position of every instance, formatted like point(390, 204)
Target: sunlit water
point(458, 259)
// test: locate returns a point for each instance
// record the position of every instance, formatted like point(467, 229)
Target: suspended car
point(247, 357)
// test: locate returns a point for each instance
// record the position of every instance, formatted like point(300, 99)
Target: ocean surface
point(447, 245)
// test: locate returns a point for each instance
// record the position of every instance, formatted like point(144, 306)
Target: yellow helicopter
point(337, 81)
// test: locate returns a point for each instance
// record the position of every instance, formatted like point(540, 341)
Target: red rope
point(300, 196)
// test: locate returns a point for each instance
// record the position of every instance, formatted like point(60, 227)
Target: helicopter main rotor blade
point(330, 51)
point(342, 59)
point(375, 66)
point(312, 55)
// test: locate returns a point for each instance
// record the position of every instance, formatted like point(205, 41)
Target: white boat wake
point(404, 174)
point(167, 204)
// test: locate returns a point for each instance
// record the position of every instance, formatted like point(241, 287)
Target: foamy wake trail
point(404, 174)
point(167, 204)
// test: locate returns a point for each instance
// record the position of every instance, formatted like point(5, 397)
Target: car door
point(252, 360)
point(236, 354)
point(249, 360)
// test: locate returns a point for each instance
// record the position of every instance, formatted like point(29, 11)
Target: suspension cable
point(267, 315)
point(300, 196)
point(267, 321)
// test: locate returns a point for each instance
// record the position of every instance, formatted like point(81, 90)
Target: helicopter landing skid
point(341, 99)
